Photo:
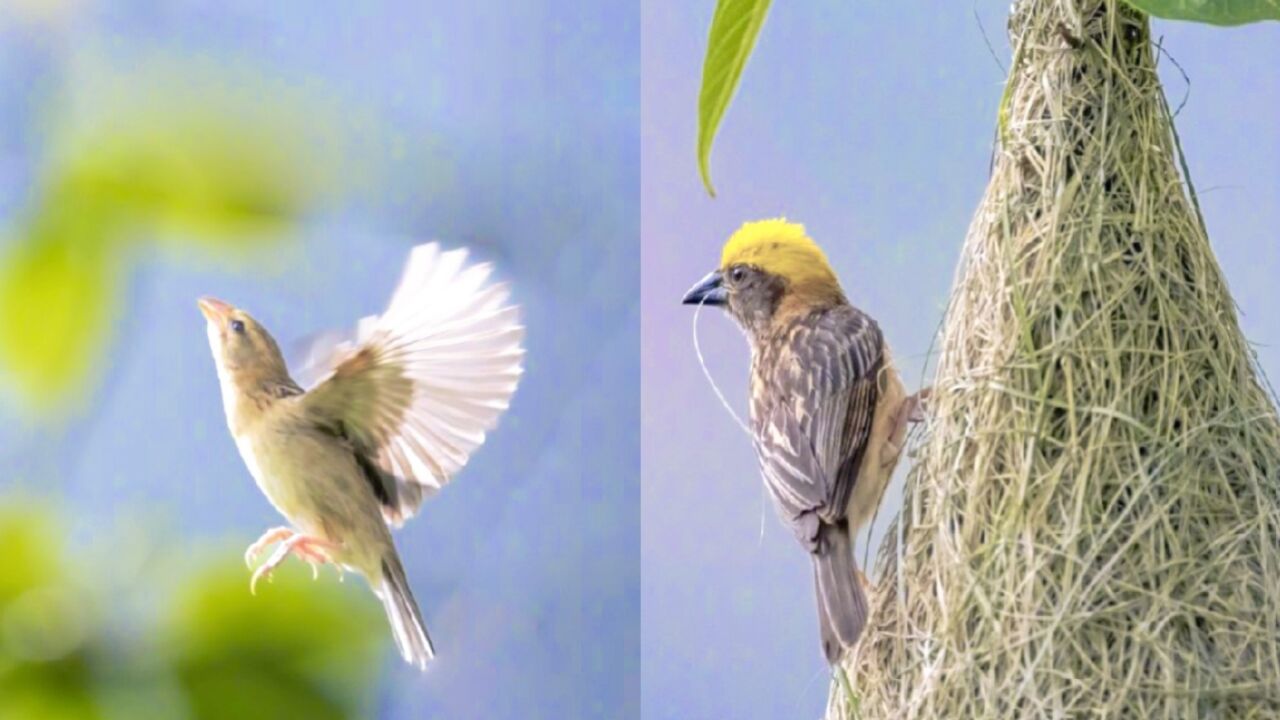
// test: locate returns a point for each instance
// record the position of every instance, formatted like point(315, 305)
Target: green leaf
point(734, 30)
point(299, 648)
point(200, 172)
point(45, 621)
point(31, 547)
point(58, 296)
point(1213, 12)
point(178, 170)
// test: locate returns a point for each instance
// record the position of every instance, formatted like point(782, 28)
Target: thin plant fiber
point(1091, 526)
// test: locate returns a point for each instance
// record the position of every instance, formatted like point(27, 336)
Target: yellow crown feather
point(781, 248)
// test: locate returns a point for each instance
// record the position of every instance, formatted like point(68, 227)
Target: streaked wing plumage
point(814, 415)
point(419, 386)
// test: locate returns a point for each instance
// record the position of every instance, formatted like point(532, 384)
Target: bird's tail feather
point(842, 604)
point(402, 611)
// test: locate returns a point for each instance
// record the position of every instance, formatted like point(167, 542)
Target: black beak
point(709, 291)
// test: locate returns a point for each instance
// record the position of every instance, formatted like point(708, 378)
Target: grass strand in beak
point(702, 362)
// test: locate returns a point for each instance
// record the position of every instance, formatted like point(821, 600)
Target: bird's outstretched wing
point(815, 420)
point(417, 387)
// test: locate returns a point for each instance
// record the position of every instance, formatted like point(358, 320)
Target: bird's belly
point(292, 470)
point(317, 485)
point(273, 474)
point(882, 452)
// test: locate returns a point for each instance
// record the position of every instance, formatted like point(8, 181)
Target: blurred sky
point(506, 127)
point(872, 124)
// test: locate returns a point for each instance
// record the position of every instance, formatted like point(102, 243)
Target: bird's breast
point(291, 468)
point(270, 469)
point(310, 478)
point(249, 453)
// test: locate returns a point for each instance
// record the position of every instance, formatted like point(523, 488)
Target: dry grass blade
point(1092, 524)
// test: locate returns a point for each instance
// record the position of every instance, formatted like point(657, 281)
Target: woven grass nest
point(1091, 526)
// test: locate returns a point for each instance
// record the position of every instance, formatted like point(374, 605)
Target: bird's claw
point(253, 581)
point(911, 411)
point(865, 581)
point(274, 535)
point(311, 550)
point(916, 405)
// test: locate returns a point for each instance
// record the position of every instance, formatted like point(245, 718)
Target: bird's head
point(767, 265)
point(243, 350)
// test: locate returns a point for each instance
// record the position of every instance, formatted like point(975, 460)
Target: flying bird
point(397, 408)
point(828, 411)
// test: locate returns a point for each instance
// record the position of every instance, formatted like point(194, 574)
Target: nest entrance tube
point(1092, 523)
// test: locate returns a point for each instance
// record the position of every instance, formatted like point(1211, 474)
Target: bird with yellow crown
point(828, 411)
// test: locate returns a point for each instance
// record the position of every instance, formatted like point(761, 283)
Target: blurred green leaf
point(31, 550)
point(299, 648)
point(194, 173)
point(251, 690)
point(174, 160)
point(58, 289)
point(734, 29)
point(1213, 12)
point(52, 691)
point(44, 668)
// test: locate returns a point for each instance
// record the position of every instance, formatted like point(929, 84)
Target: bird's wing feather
point(812, 437)
point(792, 473)
point(420, 385)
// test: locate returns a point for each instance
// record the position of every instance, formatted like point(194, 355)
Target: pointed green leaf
point(1213, 12)
point(734, 30)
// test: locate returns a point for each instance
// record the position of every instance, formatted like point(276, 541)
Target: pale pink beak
point(213, 308)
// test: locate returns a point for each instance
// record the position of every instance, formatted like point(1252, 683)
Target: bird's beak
point(214, 309)
point(710, 290)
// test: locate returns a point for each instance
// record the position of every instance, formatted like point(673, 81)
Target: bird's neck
point(249, 396)
point(791, 308)
point(804, 297)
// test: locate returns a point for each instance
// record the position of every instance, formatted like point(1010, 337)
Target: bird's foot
point(865, 581)
point(910, 412)
point(270, 537)
point(313, 550)
point(916, 403)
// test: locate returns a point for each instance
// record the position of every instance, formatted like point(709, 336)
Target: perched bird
point(828, 411)
point(396, 411)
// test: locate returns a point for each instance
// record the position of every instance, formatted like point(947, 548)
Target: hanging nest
point(1092, 524)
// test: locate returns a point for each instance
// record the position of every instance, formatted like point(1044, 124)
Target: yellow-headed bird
point(828, 411)
point(397, 410)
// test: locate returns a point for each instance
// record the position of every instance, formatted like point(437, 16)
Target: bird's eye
point(237, 326)
point(738, 274)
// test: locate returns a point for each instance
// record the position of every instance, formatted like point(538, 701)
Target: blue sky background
point(506, 127)
point(872, 124)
